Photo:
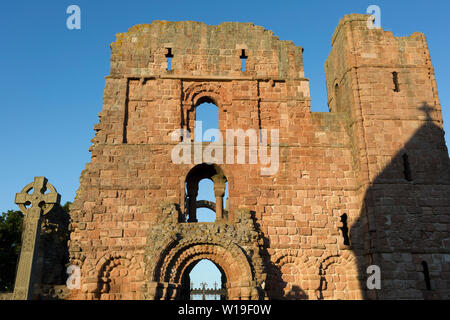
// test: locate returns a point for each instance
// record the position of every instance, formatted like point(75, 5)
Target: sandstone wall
point(346, 162)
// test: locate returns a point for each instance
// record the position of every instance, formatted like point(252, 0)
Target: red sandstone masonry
point(347, 161)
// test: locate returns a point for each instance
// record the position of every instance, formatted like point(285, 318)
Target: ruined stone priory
point(358, 208)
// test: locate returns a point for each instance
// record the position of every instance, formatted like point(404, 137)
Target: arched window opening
point(206, 123)
point(206, 281)
point(243, 60)
point(206, 201)
point(206, 187)
point(206, 213)
point(169, 57)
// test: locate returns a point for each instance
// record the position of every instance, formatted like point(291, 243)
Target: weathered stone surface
point(349, 161)
point(6, 296)
point(40, 204)
point(235, 247)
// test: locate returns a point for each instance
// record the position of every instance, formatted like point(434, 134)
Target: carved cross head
point(38, 199)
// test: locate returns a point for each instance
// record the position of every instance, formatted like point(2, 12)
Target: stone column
point(219, 192)
point(219, 207)
point(185, 121)
point(192, 194)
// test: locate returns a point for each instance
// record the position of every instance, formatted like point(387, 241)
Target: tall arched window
point(206, 122)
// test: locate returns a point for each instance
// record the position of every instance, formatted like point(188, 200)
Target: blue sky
point(52, 80)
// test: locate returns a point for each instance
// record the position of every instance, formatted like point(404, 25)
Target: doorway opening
point(205, 281)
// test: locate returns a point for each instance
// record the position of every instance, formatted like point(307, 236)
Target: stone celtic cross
point(33, 205)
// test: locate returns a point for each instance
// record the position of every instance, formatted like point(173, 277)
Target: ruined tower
point(365, 184)
point(387, 86)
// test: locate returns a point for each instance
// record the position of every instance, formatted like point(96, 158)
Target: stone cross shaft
point(40, 204)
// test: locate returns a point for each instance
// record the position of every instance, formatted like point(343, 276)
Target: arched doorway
point(175, 248)
point(204, 280)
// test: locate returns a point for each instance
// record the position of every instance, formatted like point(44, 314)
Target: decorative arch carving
point(198, 93)
point(183, 254)
point(77, 258)
point(127, 268)
point(293, 268)
point(234, 248)
point(344, 266)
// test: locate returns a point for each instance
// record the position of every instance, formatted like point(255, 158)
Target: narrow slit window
point(169, 57)
point(243, 60)
point(395, 80)
point(337, 98)
point(426, 275)
point(406, 168)
point(344, 229)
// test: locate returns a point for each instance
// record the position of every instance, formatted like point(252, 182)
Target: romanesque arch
point(339, 277)
point(197, 93)
point(195, 175)
point(231, 260)
point(185, 294)
point(118, 277)
point(291, 272)
point(177, 246)
point(221, 171)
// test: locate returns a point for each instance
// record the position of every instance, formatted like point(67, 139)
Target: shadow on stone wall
point(402, 228)
point(405, 218)
point(275, 287)
point(53, 255)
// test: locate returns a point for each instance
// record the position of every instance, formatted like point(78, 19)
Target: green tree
point(11, 224)
point(66, 206)
point(10, 243)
